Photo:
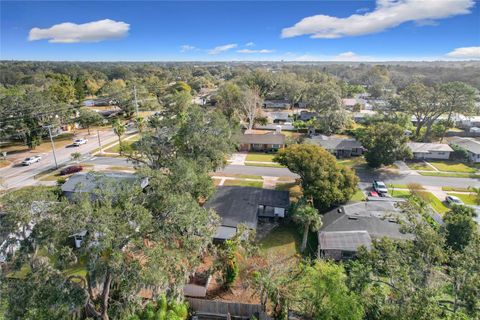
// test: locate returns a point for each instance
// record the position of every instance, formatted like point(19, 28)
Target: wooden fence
point(236, 310)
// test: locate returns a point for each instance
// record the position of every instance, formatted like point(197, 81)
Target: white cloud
point(223, 48)
point(68, 32)
point(186, 48)
point(387, 14)
point(255, 51)
point(249, 44)
point(465, 53)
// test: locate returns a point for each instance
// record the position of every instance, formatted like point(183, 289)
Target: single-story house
point(467, 122)
point(422, 150)
point(276, 104)
point(245, 205)
point(363, 115)
point(349, 102)
point(90, 181)
point(307, 115)
point(258, 140)
point(340, 147)
point(471, 145)
point(351, 226)
point(278, 116)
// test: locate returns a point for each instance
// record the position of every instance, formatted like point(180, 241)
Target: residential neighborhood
point(199, 160)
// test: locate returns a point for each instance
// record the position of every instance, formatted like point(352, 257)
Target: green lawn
point(284, 242)
point(262, 157)
point(399, 193)
point(397, 186)
point(273, 165)
point(358, 196)
point(450, 174)
point(233, 175)
point(436, 204)
point(243, 183)
point(129, 142)
point(419, 166)
point(352, 162)
point(456, 189)
point(452, 166)
point(466, 198)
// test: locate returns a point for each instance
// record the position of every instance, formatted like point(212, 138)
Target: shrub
point(70, 170)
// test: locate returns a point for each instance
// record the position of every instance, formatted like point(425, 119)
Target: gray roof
point(344, 240)
point(378, 219)
point(420, 147)
point(237, 205)
point(262, 138)
point(87, 182)
point(334, 143)
point(469, 144)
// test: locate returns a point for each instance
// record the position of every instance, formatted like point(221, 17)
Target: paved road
point(365, 176)
point(19, 176)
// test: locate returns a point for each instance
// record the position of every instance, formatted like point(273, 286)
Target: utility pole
point(53, 145)
point(135, 96)
point(99, 142)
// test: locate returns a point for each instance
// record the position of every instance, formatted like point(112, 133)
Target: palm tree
point(140, 123)
point(119, 129)
point(477, 194)
point(306, 216)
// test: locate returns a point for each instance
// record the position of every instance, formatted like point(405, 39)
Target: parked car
point(70, 170)
point(380, 187)
point(78, 142)
point(28, 161)
point(373, 194)
point(454, 200)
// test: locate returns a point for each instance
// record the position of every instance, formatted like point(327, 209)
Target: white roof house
point(470, 144)
point(422, 150)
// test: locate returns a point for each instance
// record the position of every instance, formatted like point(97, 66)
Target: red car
point(373, 194)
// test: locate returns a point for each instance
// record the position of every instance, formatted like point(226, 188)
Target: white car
point(380, 187)
point(28, 161)
point(79, 142)
point(454, 200)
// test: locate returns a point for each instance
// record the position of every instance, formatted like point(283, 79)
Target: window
point(275, 146)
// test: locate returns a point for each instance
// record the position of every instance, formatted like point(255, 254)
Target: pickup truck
point(30, 160)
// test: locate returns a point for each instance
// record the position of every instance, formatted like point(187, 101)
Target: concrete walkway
point(238, 159)
point(269, 182)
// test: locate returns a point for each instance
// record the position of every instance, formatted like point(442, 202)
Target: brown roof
point(262, 138)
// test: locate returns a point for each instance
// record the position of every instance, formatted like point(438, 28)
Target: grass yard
point(400, 193)
point(18, 146)
point(466, 198)
point(4, 163)
point(129, 142)
point(292, 187)
point(257, 156)
point(243, 183)
point(419, 166)
point(436, 204)
point(352, 162)
point(397, 186)
point(284, 242)
point(450, 174)
point(358, 196)
point(272, 165)
point(456, 189)
point(452, 166)
point(233, 175)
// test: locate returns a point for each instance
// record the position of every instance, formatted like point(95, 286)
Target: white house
point(471, 145)
point(422, 150)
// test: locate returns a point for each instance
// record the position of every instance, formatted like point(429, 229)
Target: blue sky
point(240, 30)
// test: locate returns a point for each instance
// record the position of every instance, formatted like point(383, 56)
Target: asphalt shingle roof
point(334, 143)
point(237, 205)
point(419, 147)
point(469, 144)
